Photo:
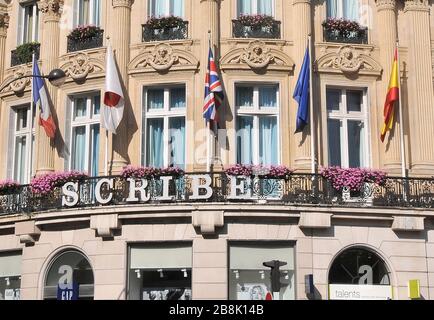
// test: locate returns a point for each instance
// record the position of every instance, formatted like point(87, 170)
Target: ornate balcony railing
point(296, 189)
point(357, 37)
point(169, 33)
point(25, 56)
point(90, 43)
point(240, 30)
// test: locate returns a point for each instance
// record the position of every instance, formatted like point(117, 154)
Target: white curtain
point(155, 99)
point(177, 98)
point(265, 7)
point(20, 174)
point(244, 7)
point(155, 143)
point(334, 142)
point(244, 97)
point(268, 140)
point(177, 8)
point(356, 148)
point(244, 140)
point(158, 8)
point(267, 97)
point(78, 148)
point(177, 142)
point(351, 9)
point(255, 7)
point(95, 150)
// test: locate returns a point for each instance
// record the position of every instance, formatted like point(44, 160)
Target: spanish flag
point(391, 98)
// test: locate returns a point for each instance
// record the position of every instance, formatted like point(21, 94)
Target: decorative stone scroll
point(51, 8)
point(348, 60)
point(80, 65)
point(20, 85)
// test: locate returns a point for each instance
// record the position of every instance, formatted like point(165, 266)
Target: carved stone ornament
point(348, 60)
point(416, 5)
point(385, 4)
point(162, 58)
point(79, 67)
point(257, 55)
point(123, 3)
point(51, 7)
point(21, 84)
point(4, 20)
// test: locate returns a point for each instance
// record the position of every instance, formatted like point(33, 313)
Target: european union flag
point(301, 93)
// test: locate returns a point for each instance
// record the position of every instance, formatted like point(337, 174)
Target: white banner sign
point(359, 292)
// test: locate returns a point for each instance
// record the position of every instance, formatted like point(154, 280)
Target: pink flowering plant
point(85, 32)
point(272, 171)
point(352, 178)
point(46, 183)
point(164, 22)
point(150, 172)
point(342, 26)
point(8, 187)
point(256, 20)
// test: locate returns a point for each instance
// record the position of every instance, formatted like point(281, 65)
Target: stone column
point(420, 88)
point(302, 20)
point(4, 24)
point(120, 39)
point(386, 18)
point(51, 11)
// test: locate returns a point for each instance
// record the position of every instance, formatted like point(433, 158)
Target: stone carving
point(348, 60)
point(18, 86)
point(4, 20)
point(256, 55)
point(79, 66)
point(51, 7)
point(385, 4)
point(123, 3)
point(162, 58)
point(416, 5)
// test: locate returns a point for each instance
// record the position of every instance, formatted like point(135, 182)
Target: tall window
point(88, 12)
point(85, 133)
point(163, 132)
point(257, 124)
point(348, 9)
point(161, 8)
point(255, 7)
point(29, 22)
point(24, 132)
point(347, 127)
point(10, 275)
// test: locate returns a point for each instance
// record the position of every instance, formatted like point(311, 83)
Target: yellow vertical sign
point(414, 289)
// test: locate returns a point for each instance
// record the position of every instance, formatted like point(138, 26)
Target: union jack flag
point(213, 90)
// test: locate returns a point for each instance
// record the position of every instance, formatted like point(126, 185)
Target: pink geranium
point(46, 183)
point(8, 186)
point(270, 171)
point(150, 172)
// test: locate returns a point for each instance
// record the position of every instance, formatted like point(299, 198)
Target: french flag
point(113, 98)
point(40, 98)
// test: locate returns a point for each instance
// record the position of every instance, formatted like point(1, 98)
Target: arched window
point(358, 266)
point(69, 277)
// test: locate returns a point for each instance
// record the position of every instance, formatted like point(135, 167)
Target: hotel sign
point(360, 292)
point(139, 190)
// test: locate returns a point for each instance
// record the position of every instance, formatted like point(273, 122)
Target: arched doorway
point(69, 277)
point(359, 274)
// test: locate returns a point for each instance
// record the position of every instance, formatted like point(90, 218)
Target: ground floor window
point(10, 276)
point(250, 279)
point(160, 272)
point(69, 277)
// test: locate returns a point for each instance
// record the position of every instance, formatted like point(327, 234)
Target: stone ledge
point(207, 221)
point(28, 231)
point(105, 225)
point(316, 220)
point(405, 223)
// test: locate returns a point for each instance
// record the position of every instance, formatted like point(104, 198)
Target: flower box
point(46, 184)
point(345, 31)
point(23, 53)
point(164, 28)
point(8, 187)
point(85, 37)
point(256, 26)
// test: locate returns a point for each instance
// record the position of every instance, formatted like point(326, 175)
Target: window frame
point(87, 121)
point(256, 112)
point(344, 116)
point(79, 5)
point(22, 32)
point(166, 114)
point(255, 8)
point(167, 13)
point(30, 133)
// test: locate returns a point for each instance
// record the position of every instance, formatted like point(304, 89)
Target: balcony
point(178, 32)
point(23, 54)
point(356, 37)
point(240, 30)
point(295, 189)
point(96, 41)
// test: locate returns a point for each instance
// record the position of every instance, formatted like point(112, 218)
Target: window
point(24, 132)
point(69, 277)
point(257, 109)
point(29, 23)
point(347, 127)
point(161, 8)
point(85, 133)
point(249, 279)
point(163, 132)
point(348, 9)
point(248, 7)
point(160, 272)
point(10, 276)
point(88, 12)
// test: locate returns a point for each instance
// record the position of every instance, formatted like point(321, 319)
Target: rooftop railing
point(295, 189)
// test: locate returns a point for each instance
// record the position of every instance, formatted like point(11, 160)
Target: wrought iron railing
point(84, 44)
point(168, 33)
point(25, 56)
point(240, 30)
point(296, 189)
point(357, 37)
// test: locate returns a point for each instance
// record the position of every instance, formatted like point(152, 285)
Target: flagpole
point(208, 123)
point(401, 116)
point(106, 131)
point(30, 163)
point(312, 128)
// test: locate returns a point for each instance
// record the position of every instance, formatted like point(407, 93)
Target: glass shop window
point(10, 276)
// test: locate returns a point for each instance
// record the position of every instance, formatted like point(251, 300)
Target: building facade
point(207, 235)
